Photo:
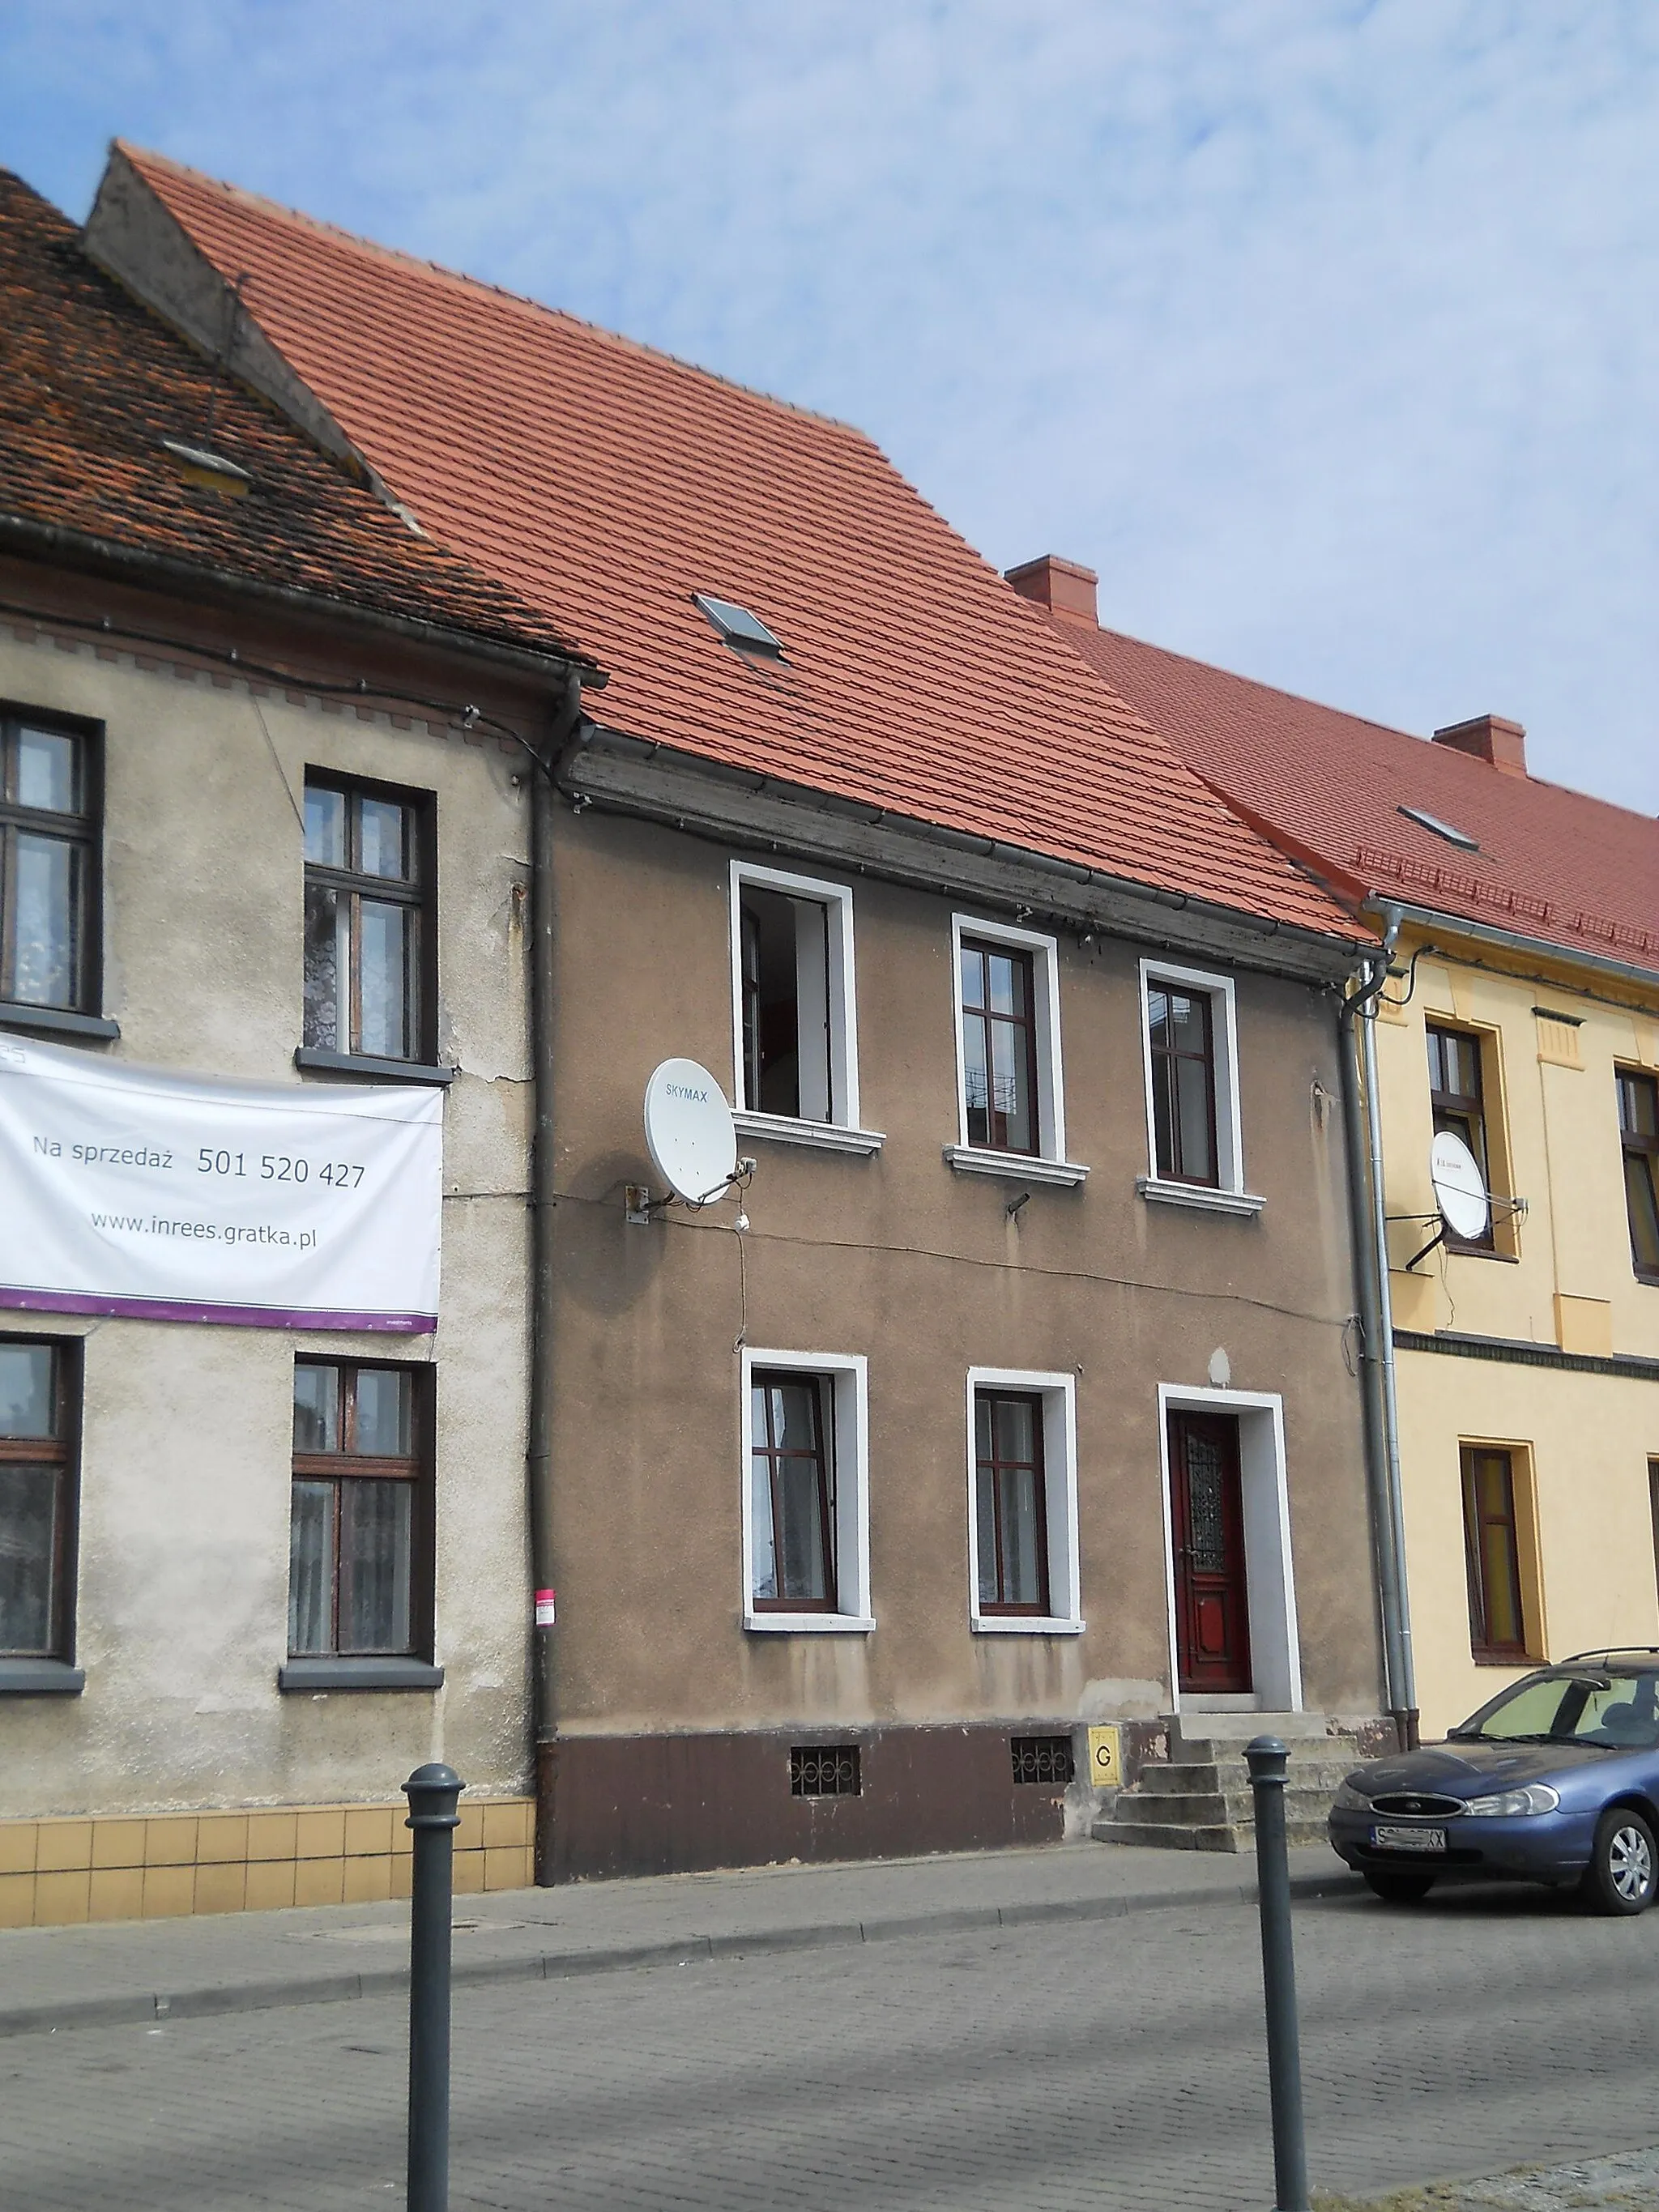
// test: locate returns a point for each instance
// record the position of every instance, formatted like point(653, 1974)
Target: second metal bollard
point(1268, 1760)
point(433, 1792)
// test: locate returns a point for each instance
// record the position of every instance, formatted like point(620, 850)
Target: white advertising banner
point(133, 1190)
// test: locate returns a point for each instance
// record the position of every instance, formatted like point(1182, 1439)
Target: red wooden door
point(1206, 1511)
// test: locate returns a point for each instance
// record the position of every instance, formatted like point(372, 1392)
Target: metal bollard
point(1268, 1760)
point(433, 1792)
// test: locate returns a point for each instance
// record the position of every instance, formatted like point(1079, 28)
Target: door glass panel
point(986, 1506)
point(804, 1568)
point(384, 980)
point(765, 1551)
point(45, 771)
point(309, 1568)
point(1193, 1090)
point(383, 1403)
point(1022, 1565)
point(1206, 1535)
point(1644, 1208)
point(43, 959)
point(25, 1394)
point(28, 1550)
point(316, 1409)
point(325, 827)
point(376, 1519)
point(383, 830)
point(327, 960)
point(1006, 978)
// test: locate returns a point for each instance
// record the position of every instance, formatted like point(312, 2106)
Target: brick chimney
point(1491, 738)
point(1066, 589)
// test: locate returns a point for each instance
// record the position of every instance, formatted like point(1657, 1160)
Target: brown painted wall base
point(678, 1804)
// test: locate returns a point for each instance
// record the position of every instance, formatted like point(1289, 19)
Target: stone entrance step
point(1199, 1799)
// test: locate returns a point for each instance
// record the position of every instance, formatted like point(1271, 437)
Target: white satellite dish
point(689, 1131)
point(1460, 1188)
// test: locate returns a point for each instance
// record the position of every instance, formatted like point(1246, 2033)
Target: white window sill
point(1023, 1167)
point(826, 1136)
point(1199, 1196)
point(808, 1623)
point(1021, 1624)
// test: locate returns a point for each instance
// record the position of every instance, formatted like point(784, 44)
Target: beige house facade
point(1519, 1359)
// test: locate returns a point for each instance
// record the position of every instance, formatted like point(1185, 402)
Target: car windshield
point(1611, 1710)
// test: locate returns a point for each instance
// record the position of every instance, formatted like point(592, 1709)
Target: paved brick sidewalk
point(1105, 2065)
point(1628, 2182)
point(53, 1978)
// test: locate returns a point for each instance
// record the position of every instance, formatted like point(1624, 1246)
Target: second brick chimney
point(1489, 737)
point(1066, 589)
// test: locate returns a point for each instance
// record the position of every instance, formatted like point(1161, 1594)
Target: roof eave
point(1448, 924)
point(81, 552)
point(691, 792)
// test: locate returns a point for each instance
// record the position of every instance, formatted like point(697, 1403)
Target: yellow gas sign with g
point(1105, 1759)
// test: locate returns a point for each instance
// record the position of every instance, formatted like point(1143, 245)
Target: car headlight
point(1536, 1797)
point(1350, 1800)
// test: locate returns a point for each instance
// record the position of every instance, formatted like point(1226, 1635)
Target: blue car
point(1557, 1780)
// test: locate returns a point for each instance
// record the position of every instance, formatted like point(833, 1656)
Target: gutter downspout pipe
point(543, 1181)
point(1363, 1142)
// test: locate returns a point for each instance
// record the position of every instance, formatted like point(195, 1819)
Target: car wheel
point(1399, 1888)
point(1624, 1864)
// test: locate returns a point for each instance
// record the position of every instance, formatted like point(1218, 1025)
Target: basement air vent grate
point(825, 1770)
point(1046, 1759)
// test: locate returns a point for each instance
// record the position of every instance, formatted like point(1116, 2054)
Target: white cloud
point(1326, 332)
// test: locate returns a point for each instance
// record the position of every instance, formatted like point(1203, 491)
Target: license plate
point(1409, 1840)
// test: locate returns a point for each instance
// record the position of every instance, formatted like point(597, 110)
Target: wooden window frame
point(61, 1451)
point(1483, 1651)
point(1003, 1609)
point(824, 1453)
point(1451, 1106)
point(1636, 1144)
point(417, 894)
point(985, 949)
point(83, 829)
point(1175, 1170)
point(414, 1469)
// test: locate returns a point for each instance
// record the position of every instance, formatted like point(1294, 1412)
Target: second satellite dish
point(688, 1130)
point(1460, 1188)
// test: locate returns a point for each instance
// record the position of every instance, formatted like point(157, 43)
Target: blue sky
point(1328, 332)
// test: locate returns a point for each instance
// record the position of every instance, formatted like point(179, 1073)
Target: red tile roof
point(607, 483)
point(1554, 863)
point(92, 384)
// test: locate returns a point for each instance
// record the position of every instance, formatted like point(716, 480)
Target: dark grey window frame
point(54, 1673)
point(419, 895)
point(81, 1020)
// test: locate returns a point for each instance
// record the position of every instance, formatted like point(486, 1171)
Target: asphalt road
point(1103, 2065)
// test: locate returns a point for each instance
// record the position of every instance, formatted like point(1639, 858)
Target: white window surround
point(1269, 1571)
point(1230, 1196)
point(848, 1372)
point(1048, 1164)
point(1059, 1396)
point(843, 1133)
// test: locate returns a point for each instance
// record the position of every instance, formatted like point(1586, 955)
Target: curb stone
point(562, 1966)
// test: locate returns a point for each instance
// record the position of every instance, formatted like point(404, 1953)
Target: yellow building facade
point(1526, 1370)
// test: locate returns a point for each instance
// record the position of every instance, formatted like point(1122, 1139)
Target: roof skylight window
point(740, 628)
point(1461, 838)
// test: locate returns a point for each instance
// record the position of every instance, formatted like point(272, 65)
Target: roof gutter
point(1508, 940)
point(77, 549)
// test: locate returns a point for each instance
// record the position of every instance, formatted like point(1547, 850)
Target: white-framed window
point(1010, 1093)
point(794, 1014)
point(1189, 1055)
point(805, 1492)
point(1022, 1503)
